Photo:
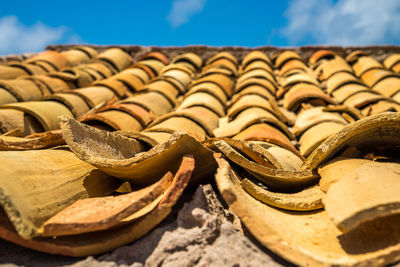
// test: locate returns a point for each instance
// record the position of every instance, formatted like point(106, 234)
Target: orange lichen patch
point(321, 54)
point(284, 57)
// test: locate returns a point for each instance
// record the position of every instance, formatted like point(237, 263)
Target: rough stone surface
point(202, 233)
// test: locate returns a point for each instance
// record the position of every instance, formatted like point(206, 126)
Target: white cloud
point(344, 22)
point(183, 10)
point(16, 37)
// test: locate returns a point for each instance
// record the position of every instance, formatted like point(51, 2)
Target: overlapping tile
point(300, 146)
point(80, 101)
point(313, 238)
point(351, 85)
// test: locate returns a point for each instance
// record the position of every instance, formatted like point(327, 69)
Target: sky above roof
point(27, 26)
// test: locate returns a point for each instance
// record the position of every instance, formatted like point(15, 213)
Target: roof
point(100, 142)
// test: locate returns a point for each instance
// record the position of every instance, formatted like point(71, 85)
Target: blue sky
point(31, 25)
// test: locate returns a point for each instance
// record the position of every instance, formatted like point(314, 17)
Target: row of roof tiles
point(266, 116)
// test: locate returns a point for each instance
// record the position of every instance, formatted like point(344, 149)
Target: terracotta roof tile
point(364, 64)
point(321, 54)
point(256, 64)
point(279, 130)
point(191, 58)
point(391, 61)
point(255, 56)
point(285, 57)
